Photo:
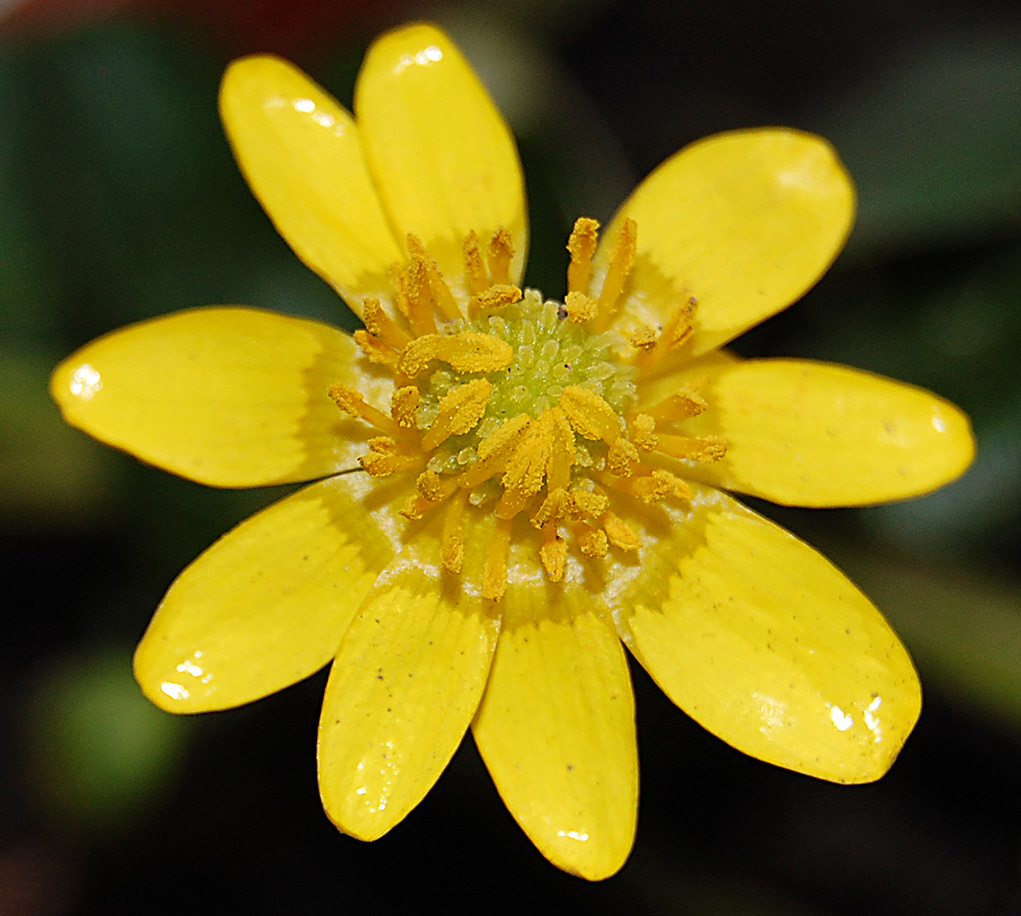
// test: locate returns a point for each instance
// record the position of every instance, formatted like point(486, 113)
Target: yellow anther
point(526, 467)
point(677, 331)
point(620, 533)
point(434, 289)
point(678, 406)
point(554, 509)
point(493, 297)
point(474, 269)
point(379, 324)
point(417, 355)
point(553, 554)
point(561, 458)
point(404, 406)
point(586, 504)
point(622, 458)
point(581, 245)
point(591, 541)
point(351, 402)
point(431, 486)
point(375, 350)
point(658, 485)
point(580, 308)
point(402, 292)
point(500, 251)
point(470, 351)
point(643, 337)
point(621, 259)
point(383, 458)
point(589, 414)
point(421, 305)
point(494, 577)
point(459, 410)
point(495, 450)
point(643, 432)
point(452, 550)
point(693, 448)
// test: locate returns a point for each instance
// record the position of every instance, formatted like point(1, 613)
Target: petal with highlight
point(230, 397)
point(267, 604)
point(745, 222)
point(301, 154)
point(765, 643)
point(438, 148)
point(814, 434)
point(402, 690)
point(557, 731)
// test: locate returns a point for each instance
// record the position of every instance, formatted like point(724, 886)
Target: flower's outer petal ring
point(301, 154)
point(765, 643)
point(441, 154)
point(813, 434)
point(402, 692)
point(267, 604)
point(230, 397)
point(556, 728)
point(745, 222)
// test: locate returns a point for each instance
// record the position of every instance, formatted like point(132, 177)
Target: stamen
point(620, 533)
point(643, 432)
point(474, 269)
point(586, 504)
point(580, 307)
point(693, 448)
point(643, 337)
point(375, 350)
point(562, 453)
point(495, 450)
point(421, 304)
point(442, 298)
point(658, 485)
point(526, 468)
point(553, 554)
point(351, 402)
point(622, 458)
point(404, 406)
point(452, 552)
point(621, 259)
point(494, 578)
point(383, 458)
point(678, 406)
point(676, 331)
point(554, 509)
point(581, 245)
point(468, 351)
point(460, 409)
point(589, 414)
point(380, 324)
point(493, 297)
point(591, 541)
point(501, 251)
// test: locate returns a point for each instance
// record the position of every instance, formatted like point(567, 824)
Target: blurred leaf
point(933, 144)
point(101, 752)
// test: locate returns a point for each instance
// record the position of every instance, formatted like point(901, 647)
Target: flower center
point(523, 407)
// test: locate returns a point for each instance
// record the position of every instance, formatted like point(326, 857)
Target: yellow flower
point(511, 489)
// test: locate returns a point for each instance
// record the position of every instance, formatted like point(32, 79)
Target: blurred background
point(119, 201)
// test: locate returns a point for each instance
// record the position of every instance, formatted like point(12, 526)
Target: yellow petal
point(556, 728)
point(745, 222)
point(402, 691)
point(766, 644)
point(230, 397)
point(267, 604)
point(302, 157)
point(438, 147)
point(813, 434)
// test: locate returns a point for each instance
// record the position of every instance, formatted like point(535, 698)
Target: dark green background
point(119, 201)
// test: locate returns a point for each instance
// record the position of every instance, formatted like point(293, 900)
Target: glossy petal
point(402, 691)
point(302, 157)
point(745, 222)
point(438, 147)
point(267, 604)
point(556, 728)
point(764, 642)
point(814, 434)
point(230, 397)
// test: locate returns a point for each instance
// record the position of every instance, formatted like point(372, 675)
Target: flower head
point(511, 489)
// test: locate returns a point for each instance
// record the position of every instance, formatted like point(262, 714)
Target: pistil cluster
point(522, 407)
